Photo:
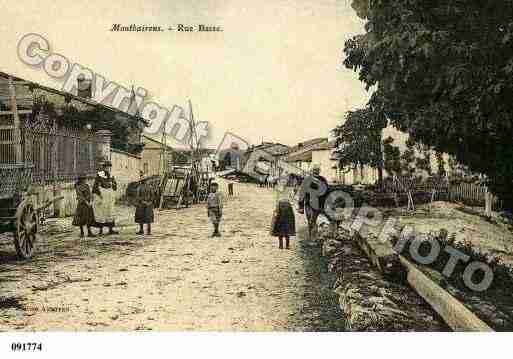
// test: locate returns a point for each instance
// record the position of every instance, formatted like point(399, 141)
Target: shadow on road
point(322, 312)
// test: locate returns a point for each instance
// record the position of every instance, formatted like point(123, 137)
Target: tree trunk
point(380, 162)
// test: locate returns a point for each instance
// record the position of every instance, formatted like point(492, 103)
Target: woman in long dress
point(283, 223)
point(84, 215)
point(104, 190)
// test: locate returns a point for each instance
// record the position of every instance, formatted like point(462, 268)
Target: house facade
point(59, 136)
point(315, 152)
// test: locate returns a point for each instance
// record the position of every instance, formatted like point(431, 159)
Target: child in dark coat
point(144, 207)
point(283, 223)
point(84, 215)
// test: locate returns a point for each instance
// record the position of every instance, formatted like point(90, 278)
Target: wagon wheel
point(25, 235)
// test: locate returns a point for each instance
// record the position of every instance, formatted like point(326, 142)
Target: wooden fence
point(470, 194)
point(57, 153)
point(473, 195)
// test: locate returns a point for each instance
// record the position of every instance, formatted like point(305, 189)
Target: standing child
point(84, 215)
point(283, 224)
point(215, 208)
point(144, 207)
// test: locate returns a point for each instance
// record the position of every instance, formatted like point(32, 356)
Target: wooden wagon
point(182, 185)
point(19, 212)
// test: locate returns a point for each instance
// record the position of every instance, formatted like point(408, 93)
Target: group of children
point(85, 215)
point(282, 225)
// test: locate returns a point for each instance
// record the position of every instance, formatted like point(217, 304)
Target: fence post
point(488, 203)
point(16, 119)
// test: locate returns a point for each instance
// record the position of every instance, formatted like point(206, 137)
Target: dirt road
point(176, 279)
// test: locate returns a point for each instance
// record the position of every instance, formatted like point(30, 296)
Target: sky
point(274, 73)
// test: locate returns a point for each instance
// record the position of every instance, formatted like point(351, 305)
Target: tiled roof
point(71, 96)
point(307, 144)
point(272, 148)
point(304, 152)
point(303, 157)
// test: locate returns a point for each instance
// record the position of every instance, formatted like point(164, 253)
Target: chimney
point(84, 87)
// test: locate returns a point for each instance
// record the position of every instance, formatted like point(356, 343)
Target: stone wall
point(369, 301)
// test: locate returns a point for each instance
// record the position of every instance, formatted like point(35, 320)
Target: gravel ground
point(179, 278)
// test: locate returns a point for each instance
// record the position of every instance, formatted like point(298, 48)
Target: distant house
point(317, 151)
point(368, 175)
point(154, 157)
point(231, 158)
point(301, 154)
point(268, 165)
point(274, 149)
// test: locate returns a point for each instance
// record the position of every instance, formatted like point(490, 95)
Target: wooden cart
point(19, 212)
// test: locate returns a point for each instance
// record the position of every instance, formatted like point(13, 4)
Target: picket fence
point(472, 194)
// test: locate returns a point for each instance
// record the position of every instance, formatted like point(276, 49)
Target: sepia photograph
point(290, 176)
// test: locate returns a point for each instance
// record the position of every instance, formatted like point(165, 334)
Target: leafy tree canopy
point(443, 73)
point(359, 138)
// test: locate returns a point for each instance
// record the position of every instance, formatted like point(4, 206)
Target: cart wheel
point(25, 235)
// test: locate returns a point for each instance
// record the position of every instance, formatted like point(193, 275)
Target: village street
point(179, 278)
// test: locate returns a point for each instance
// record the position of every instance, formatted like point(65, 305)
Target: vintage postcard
point(255, 166)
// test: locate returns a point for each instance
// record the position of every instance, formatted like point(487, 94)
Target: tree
point(440, 164)
point(423, 161)
point(392, 157)
point(407, 163)
point(408, 158)
point(358, 140)
point(442, 72)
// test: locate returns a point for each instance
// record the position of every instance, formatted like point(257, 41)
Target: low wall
point(62, 208)
point(125, 169)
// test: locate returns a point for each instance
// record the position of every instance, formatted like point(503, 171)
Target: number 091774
point(26, 347)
